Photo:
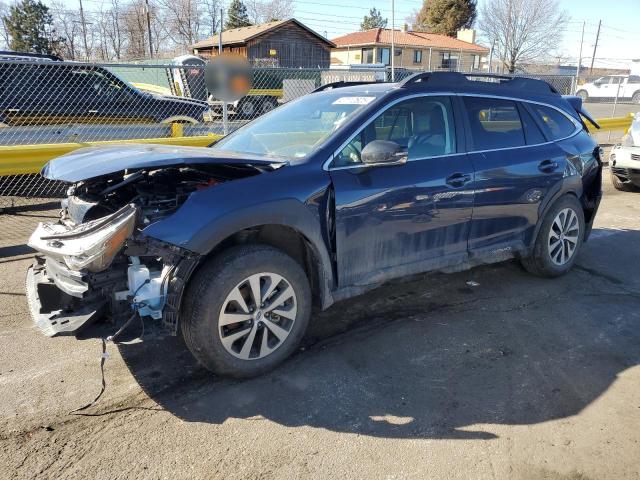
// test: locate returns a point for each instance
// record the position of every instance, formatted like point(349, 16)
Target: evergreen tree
point(445, 17)
point(29, 25)
point(237, 15)
point(373, 20)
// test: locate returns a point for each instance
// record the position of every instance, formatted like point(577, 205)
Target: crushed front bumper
point(56, 310)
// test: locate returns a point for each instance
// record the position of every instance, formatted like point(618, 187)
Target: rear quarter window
point(555, 124)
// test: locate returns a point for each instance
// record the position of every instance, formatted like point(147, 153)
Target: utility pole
point(225, 111)
point(148, 12)
point(84, 32)
point(393, 43)
point(595, 47)
point(579, 66)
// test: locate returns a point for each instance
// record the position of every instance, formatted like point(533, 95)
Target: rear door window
point(555, 124)
point(532, 133)
point(494, 123)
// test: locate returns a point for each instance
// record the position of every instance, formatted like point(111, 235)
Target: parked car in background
point(625, 87)
point(42, 90)
point(624, 159)
point(319, 200)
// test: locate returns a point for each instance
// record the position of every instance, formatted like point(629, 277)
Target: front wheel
point(619, 184)
point(636, 97)
point(246, 310)
point(559, 239)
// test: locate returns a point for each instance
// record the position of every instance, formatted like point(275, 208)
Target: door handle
point(547, 166)
point(458, 179)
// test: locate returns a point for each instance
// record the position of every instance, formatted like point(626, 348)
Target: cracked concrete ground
point(516, 378)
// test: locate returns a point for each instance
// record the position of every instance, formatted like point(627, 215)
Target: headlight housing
point(91, 245)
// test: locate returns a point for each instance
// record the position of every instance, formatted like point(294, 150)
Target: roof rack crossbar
point(457, 78)
point(341, 84)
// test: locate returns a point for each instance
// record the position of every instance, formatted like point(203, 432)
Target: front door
point(402, 219)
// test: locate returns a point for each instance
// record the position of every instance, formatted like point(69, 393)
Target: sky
point(619, 36)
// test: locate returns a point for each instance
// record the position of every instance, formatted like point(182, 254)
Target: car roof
point(453, 82)
point(11, 55)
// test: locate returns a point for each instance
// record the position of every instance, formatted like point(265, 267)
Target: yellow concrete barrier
point(21, 159)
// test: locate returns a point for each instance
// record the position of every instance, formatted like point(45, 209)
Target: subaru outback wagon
point(319, 200)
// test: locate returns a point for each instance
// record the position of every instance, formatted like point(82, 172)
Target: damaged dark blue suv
point(316, 201)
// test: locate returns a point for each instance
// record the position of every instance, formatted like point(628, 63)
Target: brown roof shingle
point(243, 34)
point(382, 36)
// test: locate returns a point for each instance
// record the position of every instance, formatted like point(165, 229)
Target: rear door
point(399, 219)
point(515, 169)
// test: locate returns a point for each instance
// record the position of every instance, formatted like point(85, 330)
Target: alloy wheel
point(563, 236)
point(257, 316)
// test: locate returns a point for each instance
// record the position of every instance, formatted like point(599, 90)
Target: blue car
point(319, 200)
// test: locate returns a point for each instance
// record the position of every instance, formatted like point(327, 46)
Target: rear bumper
point(53, 310)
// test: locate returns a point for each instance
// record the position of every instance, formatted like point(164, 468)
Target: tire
point(248, 108)
point(543, 260)
point(268, 104)
point(583, 95)
point(635, 98)
point(618, 184)
point(211, 301)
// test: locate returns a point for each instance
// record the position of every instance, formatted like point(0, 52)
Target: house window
point(367, 55)
point(384, 56)
point(449, 61)
point(417, 56)
point(476, 62)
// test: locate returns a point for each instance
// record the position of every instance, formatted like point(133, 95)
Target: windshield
point(296, 129)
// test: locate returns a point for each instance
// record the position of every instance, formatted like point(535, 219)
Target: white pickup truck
point(622, 86)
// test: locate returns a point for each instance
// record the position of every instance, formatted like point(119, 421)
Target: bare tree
point(66, 23)
point(110, 31)
point(524, 30)
point(261, 11)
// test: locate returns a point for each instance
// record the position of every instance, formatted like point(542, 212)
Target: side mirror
point(383, 152)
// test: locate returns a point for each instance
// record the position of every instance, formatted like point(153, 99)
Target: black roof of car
point(11, 55)
point(479, 82)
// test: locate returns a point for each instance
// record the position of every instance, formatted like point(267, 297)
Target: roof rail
point(341, 84)
point(460, 79)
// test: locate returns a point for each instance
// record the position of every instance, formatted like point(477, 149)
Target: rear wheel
point(559, 239)
point(248, 107)
point(583, 95)
point(246, 310)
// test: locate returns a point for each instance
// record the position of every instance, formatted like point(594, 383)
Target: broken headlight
point(92, 245)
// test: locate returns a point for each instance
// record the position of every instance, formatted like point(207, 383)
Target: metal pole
point(393, 43)
point(615, 104)
point(84, 32)
point(430, 52)
point(146, 2)
point(225, 113)
point(595, 47)
point(579, 66)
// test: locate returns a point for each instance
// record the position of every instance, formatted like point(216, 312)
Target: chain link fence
point(52, 102)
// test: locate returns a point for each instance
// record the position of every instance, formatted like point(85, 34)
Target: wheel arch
point(294, 243)
point(563, 190)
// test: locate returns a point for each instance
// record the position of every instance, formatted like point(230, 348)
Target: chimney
point(467, 35)
point(405, 28)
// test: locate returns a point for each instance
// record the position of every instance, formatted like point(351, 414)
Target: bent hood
point(87, 163)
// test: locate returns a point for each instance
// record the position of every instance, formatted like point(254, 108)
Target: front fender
point(287, 197)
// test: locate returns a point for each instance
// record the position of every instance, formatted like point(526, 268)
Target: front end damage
point(96, 261)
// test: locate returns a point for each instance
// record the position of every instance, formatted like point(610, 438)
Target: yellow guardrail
point(21, 159)
point(614, 124)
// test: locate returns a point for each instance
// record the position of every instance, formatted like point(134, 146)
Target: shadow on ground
point(433, 357)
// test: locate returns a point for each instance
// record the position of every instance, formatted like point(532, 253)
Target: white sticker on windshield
point(353, 100)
